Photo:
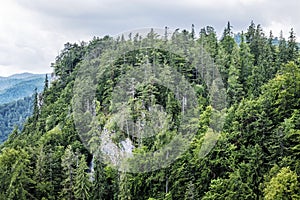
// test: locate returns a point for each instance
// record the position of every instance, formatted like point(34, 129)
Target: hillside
point(16, 103)
point(13, 115)
point(18, 86)
point(163, 117)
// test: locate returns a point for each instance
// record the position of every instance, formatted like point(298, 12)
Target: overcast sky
point(32, 32)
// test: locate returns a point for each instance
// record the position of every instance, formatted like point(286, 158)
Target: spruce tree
point(82, 186)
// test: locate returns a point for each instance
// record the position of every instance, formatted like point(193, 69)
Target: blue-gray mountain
point(18, 86)
point(16, 100)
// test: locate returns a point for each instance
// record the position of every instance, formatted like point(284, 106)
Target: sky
point(33, 32)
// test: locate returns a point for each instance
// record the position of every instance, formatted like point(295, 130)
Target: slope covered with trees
point(256, 155)
point(13, 115)
point(16, 100)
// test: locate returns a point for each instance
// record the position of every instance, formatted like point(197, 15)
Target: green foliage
point(47, 159)
point(284, 185)
point(16, 174)
point(68, 163)
point(231, 188)
point(82, 181)
point(99, 186)
point(14, 115)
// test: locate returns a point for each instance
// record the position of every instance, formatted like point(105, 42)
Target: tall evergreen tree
point(246, 63)
point(99, 182)
point(283, 50)
point(292, 47)
point(68, 164)
point(235, 87)
point(82, 186)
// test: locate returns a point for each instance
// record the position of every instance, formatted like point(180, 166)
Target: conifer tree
point(82, 186)
point(68, 164)
point(99, 182)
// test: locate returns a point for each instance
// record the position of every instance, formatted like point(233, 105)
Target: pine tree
point(250, 33)
point(16, 174)
point(227, 45)
point(292, 47)
point(46, 83)
point(42, 179)
point(20, 181)
point(283, 50)
point(235, 88)
point(36, 105)
point(68, 163)
point(227, 40)
point(208, 41)
point(246, 63)
point(82, 187)
point(99, 180)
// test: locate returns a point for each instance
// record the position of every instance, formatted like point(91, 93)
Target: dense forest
point(232, 132)
point(13, 115)
point(16, 100)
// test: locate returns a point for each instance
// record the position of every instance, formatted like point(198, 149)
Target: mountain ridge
point(18, 86)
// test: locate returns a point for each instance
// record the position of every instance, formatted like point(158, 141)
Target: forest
point(16, 100)
point(13, 115)
point(196, 116)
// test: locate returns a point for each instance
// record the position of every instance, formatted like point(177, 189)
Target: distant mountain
point(16, 100)
point(24, 75)
point(18, 86)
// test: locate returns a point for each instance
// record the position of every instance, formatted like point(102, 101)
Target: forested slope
point(13, 115)
point(245, 127)
point(16, 100)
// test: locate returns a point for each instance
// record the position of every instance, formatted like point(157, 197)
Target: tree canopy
point(243, 115)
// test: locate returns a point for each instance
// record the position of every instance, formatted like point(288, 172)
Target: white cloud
point(33, 32)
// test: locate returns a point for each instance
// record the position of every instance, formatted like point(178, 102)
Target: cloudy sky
point(32, 32)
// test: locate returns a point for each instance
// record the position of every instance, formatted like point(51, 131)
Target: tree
point(290, 135)
point(20, 181)
point(246, 63)
point(256, 39)
point(36, 108)
point(82, 185)
point(16, 174)
point(208, 38)
point(235, 87)
point(292, 47)
point(99, 182)
point(68, 163)
point(283, 50)
point(224, 57)
point(232, 188)
point(284, 185)
point(250, 33)
point(46, 83)
point(43, 184)
point(227, 41)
